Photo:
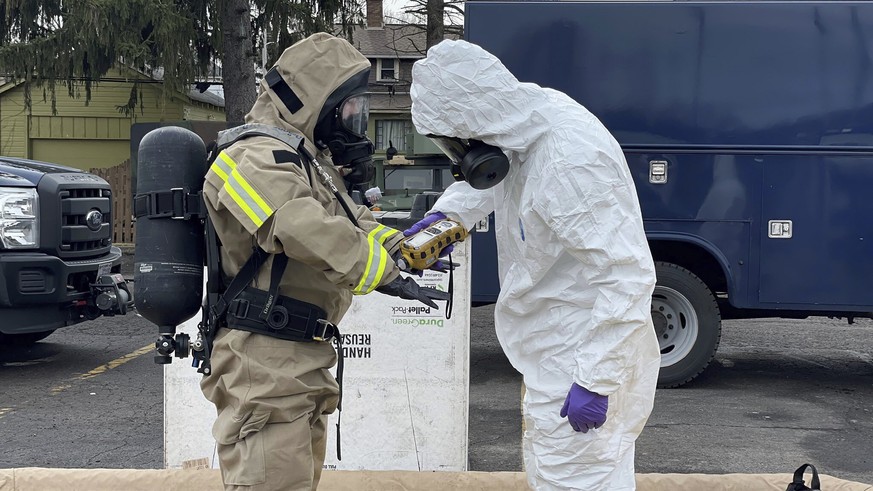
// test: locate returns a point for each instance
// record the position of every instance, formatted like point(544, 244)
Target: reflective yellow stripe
point(375, 269)
point(219, 172)
point(241, 202)
point(382, 233)
point(242, 193)
point(235, 175)
point(383, 261)
point(377, 261)
point(223, 166)
point(360, 288)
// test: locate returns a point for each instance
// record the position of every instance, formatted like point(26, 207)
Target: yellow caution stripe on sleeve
point(223, 166)
point(242, 193)
point(377, 262)
point(382, 233)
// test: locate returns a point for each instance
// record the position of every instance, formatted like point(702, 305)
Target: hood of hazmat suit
point(576, 273)
point(311, 79)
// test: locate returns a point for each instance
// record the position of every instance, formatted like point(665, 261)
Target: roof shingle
point(392, 41)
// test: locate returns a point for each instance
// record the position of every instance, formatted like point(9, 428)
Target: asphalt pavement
point(780, 393)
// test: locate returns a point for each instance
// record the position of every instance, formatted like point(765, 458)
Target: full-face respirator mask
point(341, 125)
point(347, 140)
point(480, 164)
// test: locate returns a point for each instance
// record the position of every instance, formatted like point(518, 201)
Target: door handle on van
point(658, 171)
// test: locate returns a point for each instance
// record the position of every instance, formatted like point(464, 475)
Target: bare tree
point(437, 17)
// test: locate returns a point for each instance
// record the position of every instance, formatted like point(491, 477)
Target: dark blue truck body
point(761, 113)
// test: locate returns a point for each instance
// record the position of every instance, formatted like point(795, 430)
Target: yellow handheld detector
point(422, 250)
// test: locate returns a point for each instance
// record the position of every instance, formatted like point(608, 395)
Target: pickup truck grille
point(86, 222)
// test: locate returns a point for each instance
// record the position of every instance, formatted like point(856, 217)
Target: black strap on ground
point(798, 485)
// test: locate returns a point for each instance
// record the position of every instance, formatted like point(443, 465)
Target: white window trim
point(382, 144)
point(379, 70)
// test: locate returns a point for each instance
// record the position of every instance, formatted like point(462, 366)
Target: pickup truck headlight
point(19, 218)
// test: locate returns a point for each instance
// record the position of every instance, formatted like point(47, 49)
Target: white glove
point(373, 194)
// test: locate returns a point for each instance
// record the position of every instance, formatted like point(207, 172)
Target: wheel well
point(693, 258)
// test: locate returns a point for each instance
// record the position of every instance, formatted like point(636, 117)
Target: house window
point(392, 131)
point(386, 69)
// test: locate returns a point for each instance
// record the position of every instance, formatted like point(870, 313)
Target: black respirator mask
point(348, 143)
point(480, 164)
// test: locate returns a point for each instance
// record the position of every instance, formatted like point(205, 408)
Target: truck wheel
point(687, 322)
point(25, 339)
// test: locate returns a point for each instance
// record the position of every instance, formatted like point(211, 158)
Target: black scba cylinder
point(169, 255)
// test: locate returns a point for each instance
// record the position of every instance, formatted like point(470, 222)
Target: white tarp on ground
point(36, 479)
point(406, 386)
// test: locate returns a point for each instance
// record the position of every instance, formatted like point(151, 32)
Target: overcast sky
point(393, 6)
point(396, 7)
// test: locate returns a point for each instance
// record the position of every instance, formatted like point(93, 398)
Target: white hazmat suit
point(576, 273)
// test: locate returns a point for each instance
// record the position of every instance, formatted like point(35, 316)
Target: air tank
point(170, 251)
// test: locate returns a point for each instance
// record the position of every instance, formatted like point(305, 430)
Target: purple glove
point(584, 409)
point(424, 223)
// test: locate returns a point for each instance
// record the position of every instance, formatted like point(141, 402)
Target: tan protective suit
point(273, 396)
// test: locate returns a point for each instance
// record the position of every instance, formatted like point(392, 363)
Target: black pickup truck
point(58, 266)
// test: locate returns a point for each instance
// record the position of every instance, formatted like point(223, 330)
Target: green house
point(95, 134)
